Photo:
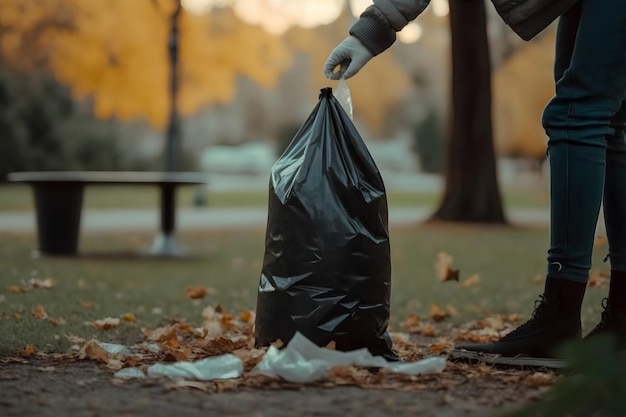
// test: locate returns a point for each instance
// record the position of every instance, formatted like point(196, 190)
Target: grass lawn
point(15, 197)
point(108, 280)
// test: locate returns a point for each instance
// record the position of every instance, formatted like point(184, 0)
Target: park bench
point(58, 198)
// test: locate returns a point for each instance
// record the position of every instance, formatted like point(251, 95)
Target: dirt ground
point(45, 387)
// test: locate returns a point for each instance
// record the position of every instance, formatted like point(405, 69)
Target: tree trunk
point(471, 190)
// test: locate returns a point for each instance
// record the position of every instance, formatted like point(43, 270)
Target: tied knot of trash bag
point(326, 92)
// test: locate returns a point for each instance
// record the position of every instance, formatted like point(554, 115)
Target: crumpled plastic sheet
point(219, 367)
point(129, 373)
point(115, 349)
point(301, 361)
point(342, 93)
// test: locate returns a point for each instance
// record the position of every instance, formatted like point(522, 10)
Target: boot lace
point(536, 319)
point(605, 324)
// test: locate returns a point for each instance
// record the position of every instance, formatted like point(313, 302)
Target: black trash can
point(58, 208)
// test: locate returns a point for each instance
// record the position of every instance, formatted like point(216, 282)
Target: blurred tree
point(471, 192)
point(114, 51)
point(27, 28)
point(42, 129)
point(522, 86)
point(429, 143)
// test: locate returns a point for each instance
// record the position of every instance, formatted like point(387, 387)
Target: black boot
point(556, 320)
point(613, 321)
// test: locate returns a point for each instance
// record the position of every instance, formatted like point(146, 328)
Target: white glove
point(350, 55)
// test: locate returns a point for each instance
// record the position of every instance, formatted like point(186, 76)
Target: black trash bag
point(327, 269)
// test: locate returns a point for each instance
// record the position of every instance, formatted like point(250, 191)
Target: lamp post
point(165, 244)
point(172, 146)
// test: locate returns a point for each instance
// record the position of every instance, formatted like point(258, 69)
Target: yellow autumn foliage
point(522, 87)
point(116, 52)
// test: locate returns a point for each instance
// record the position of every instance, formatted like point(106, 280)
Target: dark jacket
point(529, 17)
point(377, 26)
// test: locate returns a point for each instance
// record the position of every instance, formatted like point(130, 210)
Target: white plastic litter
point(220, 367)
point(302, 361)
point(129, 373)
point(153, 347)
point(342, 94)
point(115, 349)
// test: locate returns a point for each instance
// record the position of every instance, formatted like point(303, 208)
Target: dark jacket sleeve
point(529, 17)
point(378, 24)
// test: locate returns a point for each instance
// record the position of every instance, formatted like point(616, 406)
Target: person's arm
point(378, 24)
point(373, 33)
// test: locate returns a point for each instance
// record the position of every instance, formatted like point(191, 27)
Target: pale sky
point(276, 16)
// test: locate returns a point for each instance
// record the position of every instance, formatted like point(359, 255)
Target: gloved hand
point(351, 55)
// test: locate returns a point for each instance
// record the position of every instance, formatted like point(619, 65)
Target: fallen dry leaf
point(599, 279)
point(411, 323)
point(162, 334)
point(105, 324)
point(223, 332)
point(487, 329)
point(427, 330)
point(278, 344)
point(223, 345)
point(443, 266)
point(40, 312)
point(38, 283)
point(87, 304)
point(30, 285)
point(92, 350)
point(128, 317)
point(196, 292)
point(13, 359)
point(29, 350)
point(540, 379)
point(350, 375)
point(452, 310)
point(58, 321)
point(442, 345)
point(437, 313)
point(538, 279)
point(75, 339)
point(182, 383)
point(226, 385)
point(247, 316)
point(172, 343)
point(470, 282)
point(179, 354)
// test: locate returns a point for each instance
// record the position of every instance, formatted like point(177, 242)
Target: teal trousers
point(586, 125)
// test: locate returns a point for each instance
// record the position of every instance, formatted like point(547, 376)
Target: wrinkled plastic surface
point(129, 373)
point(115, 349)
point(342, 92)
point(326, 270)
point(220, 367)
point(302, 362)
